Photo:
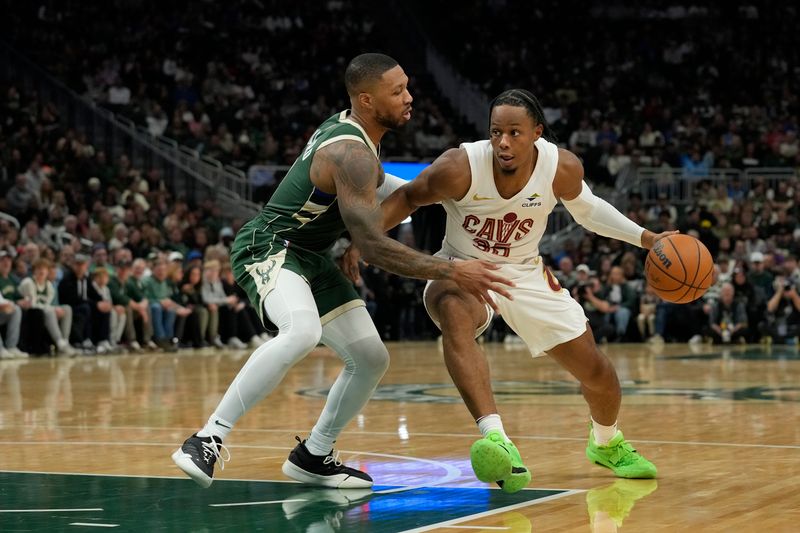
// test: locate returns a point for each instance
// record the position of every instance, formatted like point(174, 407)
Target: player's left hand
point(649, 239)
point(350, 264)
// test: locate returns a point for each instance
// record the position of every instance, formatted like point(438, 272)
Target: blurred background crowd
point(683, 128)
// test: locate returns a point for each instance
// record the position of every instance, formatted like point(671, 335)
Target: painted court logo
point(567, 392)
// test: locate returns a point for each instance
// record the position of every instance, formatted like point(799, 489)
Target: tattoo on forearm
point(357, 172)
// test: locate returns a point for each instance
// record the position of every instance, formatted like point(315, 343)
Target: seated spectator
point(231, 287)
point(725, 268)
point(9, 281)
point(135, 290)
point(782, 324)
point(73, 290)
point(11, 317)
point(103, 317)
point(728, 318)
point(617, 301)
point(187, 332)
point(191, 297)
point(163, 308)
point(759, 276)
point(100, 258)
point(633, 272)
point(21, 199)
point(582, 274)
point(122, 323)
point(566, 274)
point(585, 294)
point(42, 294)
point(646, 319)
point(223, 308)
point(753, 298)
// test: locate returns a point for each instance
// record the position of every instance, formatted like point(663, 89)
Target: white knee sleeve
point(291, 307)
point(356, 341)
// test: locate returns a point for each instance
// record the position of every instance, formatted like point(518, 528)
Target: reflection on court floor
point(48, 502)
point(717, 421)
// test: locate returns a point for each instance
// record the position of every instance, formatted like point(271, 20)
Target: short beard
point(387, 122)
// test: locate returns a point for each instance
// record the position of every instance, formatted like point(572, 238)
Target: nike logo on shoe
point(223, 425)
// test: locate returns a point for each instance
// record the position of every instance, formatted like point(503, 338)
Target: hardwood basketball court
point(87, 444)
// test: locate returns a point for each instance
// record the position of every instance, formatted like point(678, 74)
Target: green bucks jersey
point(298, 212)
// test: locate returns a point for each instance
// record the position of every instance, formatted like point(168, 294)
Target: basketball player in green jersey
point(280, 259)
point(498, 194)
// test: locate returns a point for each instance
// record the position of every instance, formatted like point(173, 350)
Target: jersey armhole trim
point(345, 137)
point(473, 185)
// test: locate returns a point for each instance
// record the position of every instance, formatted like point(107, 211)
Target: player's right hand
point(350, 264)
point(478, 277)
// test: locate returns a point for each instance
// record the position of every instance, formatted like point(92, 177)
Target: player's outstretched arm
point(355, 172)
point(447, 177)
point(594, 213)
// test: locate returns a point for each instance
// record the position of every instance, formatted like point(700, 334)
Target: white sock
point(216, 427)
point(491, 423)
point(603, 434)
point(319, 445)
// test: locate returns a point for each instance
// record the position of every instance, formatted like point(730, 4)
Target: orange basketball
point(679, 268)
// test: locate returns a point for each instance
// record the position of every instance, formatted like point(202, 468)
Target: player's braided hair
point(526, 99)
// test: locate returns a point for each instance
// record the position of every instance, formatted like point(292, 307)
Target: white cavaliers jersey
point(484, 225)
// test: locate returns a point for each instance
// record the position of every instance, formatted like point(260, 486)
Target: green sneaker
point(495, 459)
point(619, 456)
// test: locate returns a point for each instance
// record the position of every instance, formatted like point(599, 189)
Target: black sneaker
point(326, 471)
point(197, 457)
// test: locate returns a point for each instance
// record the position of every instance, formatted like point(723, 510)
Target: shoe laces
point(214, 449)
point(332, 457)
point(623, 454)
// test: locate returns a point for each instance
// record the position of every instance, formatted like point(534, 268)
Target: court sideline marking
point(493, 512)
point(49, 510)
point(179, 477)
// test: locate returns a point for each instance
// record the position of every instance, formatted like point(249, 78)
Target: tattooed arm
point(355, 173)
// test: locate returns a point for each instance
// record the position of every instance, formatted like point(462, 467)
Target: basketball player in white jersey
point(497, 194)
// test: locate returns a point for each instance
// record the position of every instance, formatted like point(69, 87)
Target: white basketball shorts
point(542, 313)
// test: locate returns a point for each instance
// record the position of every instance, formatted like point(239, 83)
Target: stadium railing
point(682, 188)
point(191, 175)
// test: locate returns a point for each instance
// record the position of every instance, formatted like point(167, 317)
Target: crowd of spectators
point(755, 241)
point(243, 82)
point(639, 84)
point(107, 257)
point(101, 255)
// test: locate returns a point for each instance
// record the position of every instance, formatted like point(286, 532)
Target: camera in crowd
point(584, 287)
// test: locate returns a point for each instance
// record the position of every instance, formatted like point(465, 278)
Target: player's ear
point(365, 99)
point(538, 131)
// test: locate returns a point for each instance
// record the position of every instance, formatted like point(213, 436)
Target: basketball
point(679, 268)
